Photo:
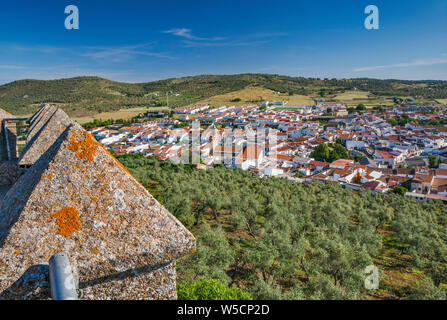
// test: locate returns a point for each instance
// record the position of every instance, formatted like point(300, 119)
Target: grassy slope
point(251, 93)
point(88, 96)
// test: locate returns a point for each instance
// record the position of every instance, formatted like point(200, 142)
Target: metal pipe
point(62, 283)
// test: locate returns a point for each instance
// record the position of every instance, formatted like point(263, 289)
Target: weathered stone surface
point(79, 200)
point(159, 283)
point(5, 114)
point(9, 173)
point(8, 169)
point(44, 135)
point(31, 119)
point(11, 135)
point(44, 115)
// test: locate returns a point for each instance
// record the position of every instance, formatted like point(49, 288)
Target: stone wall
point(78, 199)
point(147, 283)
point(9, 173)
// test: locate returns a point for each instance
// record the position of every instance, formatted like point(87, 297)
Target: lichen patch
point(67, 219)
point(85, 147)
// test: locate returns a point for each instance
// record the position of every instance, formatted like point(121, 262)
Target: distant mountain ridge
point(90, 95)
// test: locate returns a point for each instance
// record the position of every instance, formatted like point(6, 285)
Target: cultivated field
point(120, 114)
point(354, 98)
point(352, 95)
point(255, 94)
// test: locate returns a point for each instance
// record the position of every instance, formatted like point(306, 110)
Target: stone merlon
point(76, 198)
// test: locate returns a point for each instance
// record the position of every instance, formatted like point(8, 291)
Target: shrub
point(209, 289)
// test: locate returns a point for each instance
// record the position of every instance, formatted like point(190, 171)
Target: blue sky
point(137, 41)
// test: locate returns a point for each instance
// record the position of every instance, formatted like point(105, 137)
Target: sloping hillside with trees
point(276, 239)
point(83, 96)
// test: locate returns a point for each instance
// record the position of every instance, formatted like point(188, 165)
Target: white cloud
point(187, 34)
point(119, 54)
point(114, 54)
point(197, 44)
point(237, 41)
point(415, 63)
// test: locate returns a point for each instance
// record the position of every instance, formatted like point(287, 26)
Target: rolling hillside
point(89, 96)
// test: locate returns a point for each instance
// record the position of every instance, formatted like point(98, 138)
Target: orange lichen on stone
point(94, 199)
point(85, 148)
point(120, 164)
point(16, 252)
point(50, 176)
point(67, 219)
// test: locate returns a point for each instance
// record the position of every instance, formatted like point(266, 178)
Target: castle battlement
point(74, 197)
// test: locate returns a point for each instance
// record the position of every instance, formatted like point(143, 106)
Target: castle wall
point(78, 199)
point(138, 284)
point(148, 283)
point(9, 173)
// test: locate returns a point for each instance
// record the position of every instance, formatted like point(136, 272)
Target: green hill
point(86, 96)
